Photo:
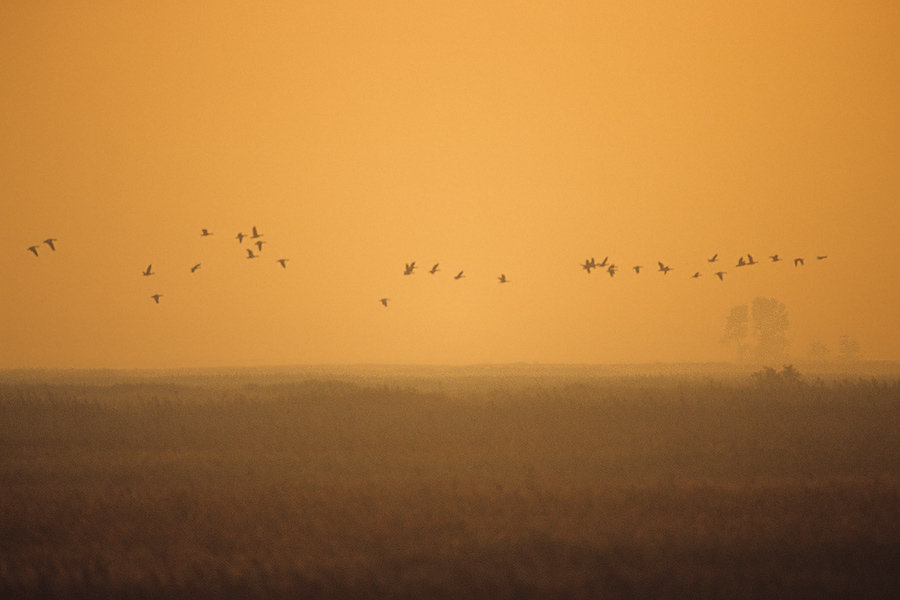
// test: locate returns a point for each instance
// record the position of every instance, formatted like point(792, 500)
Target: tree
point(849, 348)
point(736, 328)
point(770, 324)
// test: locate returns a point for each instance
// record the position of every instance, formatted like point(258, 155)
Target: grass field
point(586, 487)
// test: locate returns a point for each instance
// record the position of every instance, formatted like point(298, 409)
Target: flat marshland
point(580, 487)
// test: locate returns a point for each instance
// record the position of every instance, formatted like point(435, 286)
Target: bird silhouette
point(259, 244)
point(612, 270)
point(503, 278)
point(250, 253)
point(240, 237)
point(775, 258)
point(282, 261)
point(33, 249)
point(603, 264)
point(798, 262)
point(588, 265)
point(714, 258)
point(434, 269)
point(205, 232)
point(148, 271)
point(821, 257)
point(384, 301)
point(750, 260)
point(741, 262)
point(195, 267)
point(637, 268)
point(49, 242)
point(256, 234)
point(156, 297)
point(696, 275)
point(459, 275)
point(409, 268)
point(721, 275)
point(664, 268)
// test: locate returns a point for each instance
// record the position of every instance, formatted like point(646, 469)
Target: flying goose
point(240, 237)
point(195, 267)
point(434, 269)
point(156, 297)
point(696, 275)
point(49, 242)
point(798, 262)
point(588, 265)
point(750, 260)
point(612, 270)
point(384, 301)
point(282, 261)
point(714, 258)
point(148, 271)
point(775, 258)
point(720, 275)
point(205, 232)
point(637, 268)
point(664, 268)
point(256, 234)
point(603, 264)
point(250, 254)
point(33, 249)
point(741, 262)
point(259, 244)
point(503, 278)
point(459, 275)
point(409, 268)
point(822, 257)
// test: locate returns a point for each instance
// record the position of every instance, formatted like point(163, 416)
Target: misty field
point(615, 487)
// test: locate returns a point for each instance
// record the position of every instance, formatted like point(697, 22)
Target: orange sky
point(510, 137)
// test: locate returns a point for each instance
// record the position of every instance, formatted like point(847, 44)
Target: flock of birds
point(410, 268)
point(611, 268)
point(590, 263)
point(255, 235)
point(49, 241)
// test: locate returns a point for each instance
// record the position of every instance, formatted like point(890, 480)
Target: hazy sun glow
point(493, 138)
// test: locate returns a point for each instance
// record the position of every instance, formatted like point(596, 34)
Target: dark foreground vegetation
point(605, 488)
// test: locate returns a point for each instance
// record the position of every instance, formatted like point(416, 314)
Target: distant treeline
point(447, 377)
